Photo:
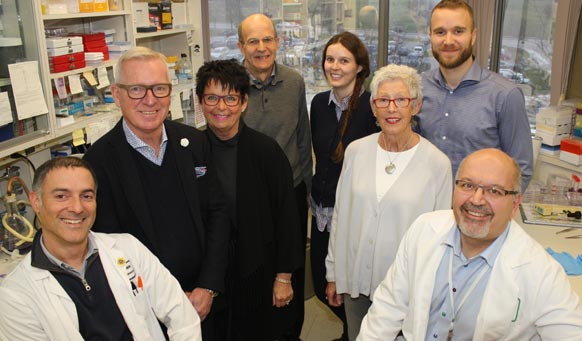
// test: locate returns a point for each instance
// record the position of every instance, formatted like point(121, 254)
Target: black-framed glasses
point(268, 40)
point(229, 100)
point(138, 91)
point(401, 102)
point(493, 192)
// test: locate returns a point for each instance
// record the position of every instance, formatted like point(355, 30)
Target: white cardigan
point(365, 233)
point(34, 306)
point(528, 295)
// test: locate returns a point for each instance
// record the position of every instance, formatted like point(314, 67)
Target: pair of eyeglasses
point(492, 192)
point(229, 100)
point(138, 91)
point(401, 102)
point(268, 40)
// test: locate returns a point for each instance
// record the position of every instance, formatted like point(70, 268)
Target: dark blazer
point(325, 137)
point(122, 206)
point(266, 206)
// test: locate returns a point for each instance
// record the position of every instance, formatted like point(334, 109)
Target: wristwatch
point(212, 293)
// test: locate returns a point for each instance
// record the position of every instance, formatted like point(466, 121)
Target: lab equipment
point(16, 230)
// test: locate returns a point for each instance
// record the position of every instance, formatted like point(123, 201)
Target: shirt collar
point(453, 240)
point(344, 103)
point(135, 142)
point(257, 82)
point(473, 75)
point(91, 250)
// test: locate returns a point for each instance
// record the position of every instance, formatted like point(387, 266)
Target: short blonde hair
point(136, 53)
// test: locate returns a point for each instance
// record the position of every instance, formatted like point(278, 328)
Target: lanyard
point(469, 291)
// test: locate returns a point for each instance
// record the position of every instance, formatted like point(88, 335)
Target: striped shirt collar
point(143, 148)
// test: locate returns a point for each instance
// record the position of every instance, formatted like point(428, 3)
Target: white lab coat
point(34, 306)
point(528, 294)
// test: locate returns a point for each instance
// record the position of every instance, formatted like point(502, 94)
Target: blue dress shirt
point(484, 111)
point(465, 271)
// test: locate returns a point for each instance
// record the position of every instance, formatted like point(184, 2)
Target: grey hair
point(137, 53)
point(391, 72)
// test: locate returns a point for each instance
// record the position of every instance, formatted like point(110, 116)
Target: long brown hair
point(353, 44)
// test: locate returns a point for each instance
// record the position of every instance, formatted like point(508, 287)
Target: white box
point(554, 115)
point(572, 158)
point(553, 129)
point(551, 139)
point(59, 51)
point(56, 42)
point(179, 12)
point(141, 14)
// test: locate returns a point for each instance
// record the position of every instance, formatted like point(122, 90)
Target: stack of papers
point(94, 58)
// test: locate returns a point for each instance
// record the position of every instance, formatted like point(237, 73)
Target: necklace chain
point(391, 167)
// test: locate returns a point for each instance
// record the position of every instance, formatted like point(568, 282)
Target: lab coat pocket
point(140, 302)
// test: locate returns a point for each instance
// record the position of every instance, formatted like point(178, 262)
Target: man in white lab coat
point(79, 285)
point(472, 273)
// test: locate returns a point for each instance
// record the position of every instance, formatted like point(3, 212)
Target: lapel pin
point(184, 142)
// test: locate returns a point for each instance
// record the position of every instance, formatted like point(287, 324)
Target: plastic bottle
point(184, 70)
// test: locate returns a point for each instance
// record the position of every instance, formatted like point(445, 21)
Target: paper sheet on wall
point(176, 107)
point(103, 78)
point(27, 89)
point(5, 109)
point(75, 84)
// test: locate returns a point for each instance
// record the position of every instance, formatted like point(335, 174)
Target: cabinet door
point(23, 113)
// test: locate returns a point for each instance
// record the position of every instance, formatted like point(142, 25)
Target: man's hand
point(333, 298)
point(282, 292)
point(201, 299)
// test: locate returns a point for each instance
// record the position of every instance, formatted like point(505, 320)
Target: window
point(304, 28)
point(525, 57)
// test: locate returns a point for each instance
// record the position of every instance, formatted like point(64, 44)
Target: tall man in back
point(277, 107)
point(465, 107)
point(156, 183)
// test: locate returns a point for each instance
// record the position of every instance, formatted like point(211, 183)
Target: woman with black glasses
point(256, 177)
point(387, 180)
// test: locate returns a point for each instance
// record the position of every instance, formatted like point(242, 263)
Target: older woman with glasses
point(387, 180)
point(256, 176)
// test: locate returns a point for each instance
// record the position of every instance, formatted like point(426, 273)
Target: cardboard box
point(86, 6)
point(573, 146)
point(553, 129)
point(155, 15)
point(55, 42)
point(94, 44)
point(575, 159)
point(67, 58)
point(551, 139)
point(63, 67)
point(60, 51)
point(100, 5)
point(554, 116)
point(166, 19)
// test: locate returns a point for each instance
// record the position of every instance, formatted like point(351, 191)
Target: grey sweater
point(278, 108)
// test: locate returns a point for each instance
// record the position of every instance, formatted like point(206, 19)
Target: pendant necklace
point(391, 167)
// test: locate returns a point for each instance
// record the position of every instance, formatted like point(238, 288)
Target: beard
point(451, 64)
point(470, 228)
